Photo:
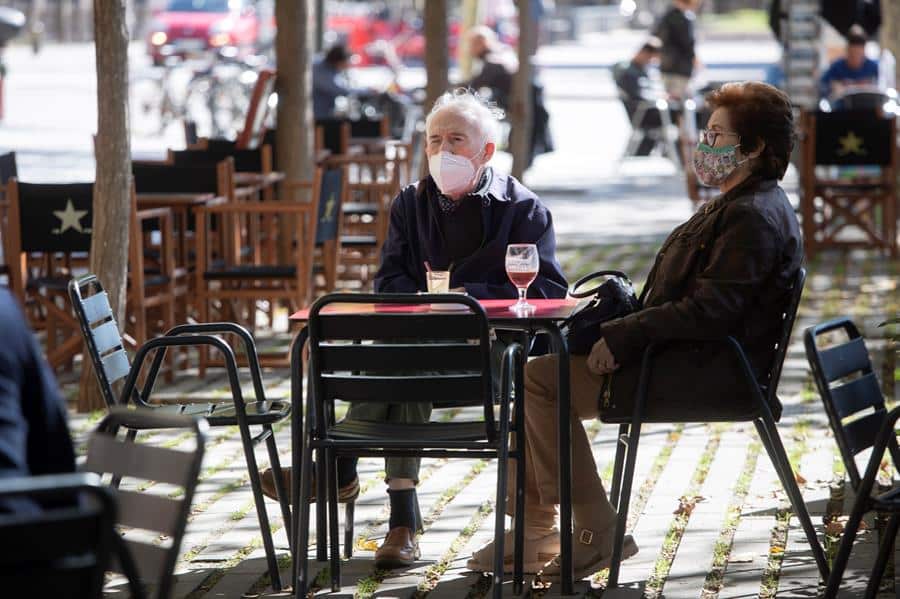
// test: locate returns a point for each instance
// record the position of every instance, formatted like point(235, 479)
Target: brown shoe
point(592, 552)
point(399, 550)
point(346, 494)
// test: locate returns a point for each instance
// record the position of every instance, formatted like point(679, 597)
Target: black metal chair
point(63, 548)
point(146, 563)
point(750, 401)
point(445, 359)
point(849, 390)
point(105, 347)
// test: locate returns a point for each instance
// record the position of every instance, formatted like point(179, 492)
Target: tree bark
point(112, 189)
point(521, 102)
point(437, 56)
point(890, 33)
point(470, 19)
point(294, 137)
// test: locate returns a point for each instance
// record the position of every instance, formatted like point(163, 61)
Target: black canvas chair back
point(763, 408)
point(149, 507)
point(55, 217)
point(392, 355)
point(63, 549)
point(331, 193)
point(859, 420)
point(367, 128)
point(8, 167)
point(166, 178)
point(863, 100)
point(849, 389)
point(249, 161)
point(853, 137)
point(332, 134)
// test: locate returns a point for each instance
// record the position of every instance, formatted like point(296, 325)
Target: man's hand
point(601, 360)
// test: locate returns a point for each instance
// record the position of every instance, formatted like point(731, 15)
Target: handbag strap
point(595, 275)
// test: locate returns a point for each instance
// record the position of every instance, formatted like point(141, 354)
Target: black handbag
point(613, 298)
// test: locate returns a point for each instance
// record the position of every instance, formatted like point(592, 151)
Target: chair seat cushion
point(60, 284)
point(360, 208)
point(352, 430)
point(252, 271)
point(223, 414)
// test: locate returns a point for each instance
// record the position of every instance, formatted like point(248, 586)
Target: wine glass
point(522, 267)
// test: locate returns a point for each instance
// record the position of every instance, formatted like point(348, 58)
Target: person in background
point(633, 80)
point(460, 218)
point(330, 81)
point(855, 69)
point(495, 64)
point(34, 435)
point(676, 31)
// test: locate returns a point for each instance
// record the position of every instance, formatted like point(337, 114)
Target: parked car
point(185, 27)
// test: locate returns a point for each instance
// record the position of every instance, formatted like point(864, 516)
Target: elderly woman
point(726, 271)
point(459, 218)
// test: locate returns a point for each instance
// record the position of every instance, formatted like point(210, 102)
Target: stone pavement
point(733, 536)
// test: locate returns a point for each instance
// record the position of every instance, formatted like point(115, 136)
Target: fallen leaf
point(367, 544)
point(776, 550)
point(799, 478)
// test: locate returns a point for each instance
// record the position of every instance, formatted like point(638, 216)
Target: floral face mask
point(714, 165)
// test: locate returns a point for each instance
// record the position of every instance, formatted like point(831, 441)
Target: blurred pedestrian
point(676, 31)
point(633, 80)
point(330, 81)
point(34, 436)
point(854, 70)
point(495, 64)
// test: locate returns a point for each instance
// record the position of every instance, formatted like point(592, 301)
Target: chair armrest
point(511, 378)
point(47, 484)
point(152, 213)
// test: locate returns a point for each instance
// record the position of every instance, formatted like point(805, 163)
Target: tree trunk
point(112, 189)
point(437, 59)
point(294, 137)
point(470, 19)
point(890, 33)
point(521, 102)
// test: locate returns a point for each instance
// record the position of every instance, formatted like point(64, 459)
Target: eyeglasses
point(709, 136)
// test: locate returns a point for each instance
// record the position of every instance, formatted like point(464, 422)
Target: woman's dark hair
point(759, 112)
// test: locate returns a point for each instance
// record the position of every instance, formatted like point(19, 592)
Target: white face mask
point(452, 173)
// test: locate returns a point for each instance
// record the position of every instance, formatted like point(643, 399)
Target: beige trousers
point(541, 452)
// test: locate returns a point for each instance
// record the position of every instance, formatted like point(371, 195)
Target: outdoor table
point(544, 319)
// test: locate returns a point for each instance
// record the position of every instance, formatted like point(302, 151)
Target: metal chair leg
point(280, 490)
point(775, 448)
point(302, 548)
point(262, 514)
point(321, 513)
point(500, 513)
point(846, 546)
point(885, 551)
point(519, 519)
point(617, 467)
point(333, 523)
point(624, 500)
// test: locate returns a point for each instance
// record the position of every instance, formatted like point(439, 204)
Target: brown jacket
point(726, 271)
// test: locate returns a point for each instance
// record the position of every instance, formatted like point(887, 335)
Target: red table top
point(496, 309)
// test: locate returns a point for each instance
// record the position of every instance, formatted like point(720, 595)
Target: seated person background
point(726, 271)
point(633, 81)
point(459, 218)
point(329, 81)
point(856, 69)
point(34, 436)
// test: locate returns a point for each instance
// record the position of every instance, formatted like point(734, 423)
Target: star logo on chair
point(851, 144)
point(69, 218)
point(329, 209)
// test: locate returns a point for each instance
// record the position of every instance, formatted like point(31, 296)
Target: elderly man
point(460, 218)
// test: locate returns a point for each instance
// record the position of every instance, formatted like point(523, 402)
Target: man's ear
point(757, 151)
point(489, 148)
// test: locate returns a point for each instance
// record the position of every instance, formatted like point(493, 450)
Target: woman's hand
point(601, 360)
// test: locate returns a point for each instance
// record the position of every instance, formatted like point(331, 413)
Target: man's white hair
point(483, 115)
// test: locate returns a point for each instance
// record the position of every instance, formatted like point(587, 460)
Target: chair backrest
point(255, 122)
point(332, 134)
point(101, 334)
point(854, 137)
point(392, 355)
point(157, 507)
point(166, 178)
point(63, 549)
point(331, 196)
point(48, 217)
point(861, 100)
point(8, 168)
point(257, 160)
point(370, 128)
point(849, 389)
point(788, 316)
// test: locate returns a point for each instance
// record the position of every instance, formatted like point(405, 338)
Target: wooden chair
point(53, 220)
point(239, 279)
point(143, 560)
point(253, 133)
point(111, 365)
point(842, 206)
point(8, 170)
point(62, 549)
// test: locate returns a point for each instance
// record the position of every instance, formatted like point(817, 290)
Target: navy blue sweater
point(510, 213)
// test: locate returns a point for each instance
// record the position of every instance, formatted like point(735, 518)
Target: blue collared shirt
point(510, 213)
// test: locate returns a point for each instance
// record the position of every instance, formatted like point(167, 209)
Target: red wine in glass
point(522, 279)
point(522, 264)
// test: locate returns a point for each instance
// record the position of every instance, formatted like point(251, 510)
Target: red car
point(189, 26)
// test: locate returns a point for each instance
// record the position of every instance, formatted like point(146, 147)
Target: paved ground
point(737, 541)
